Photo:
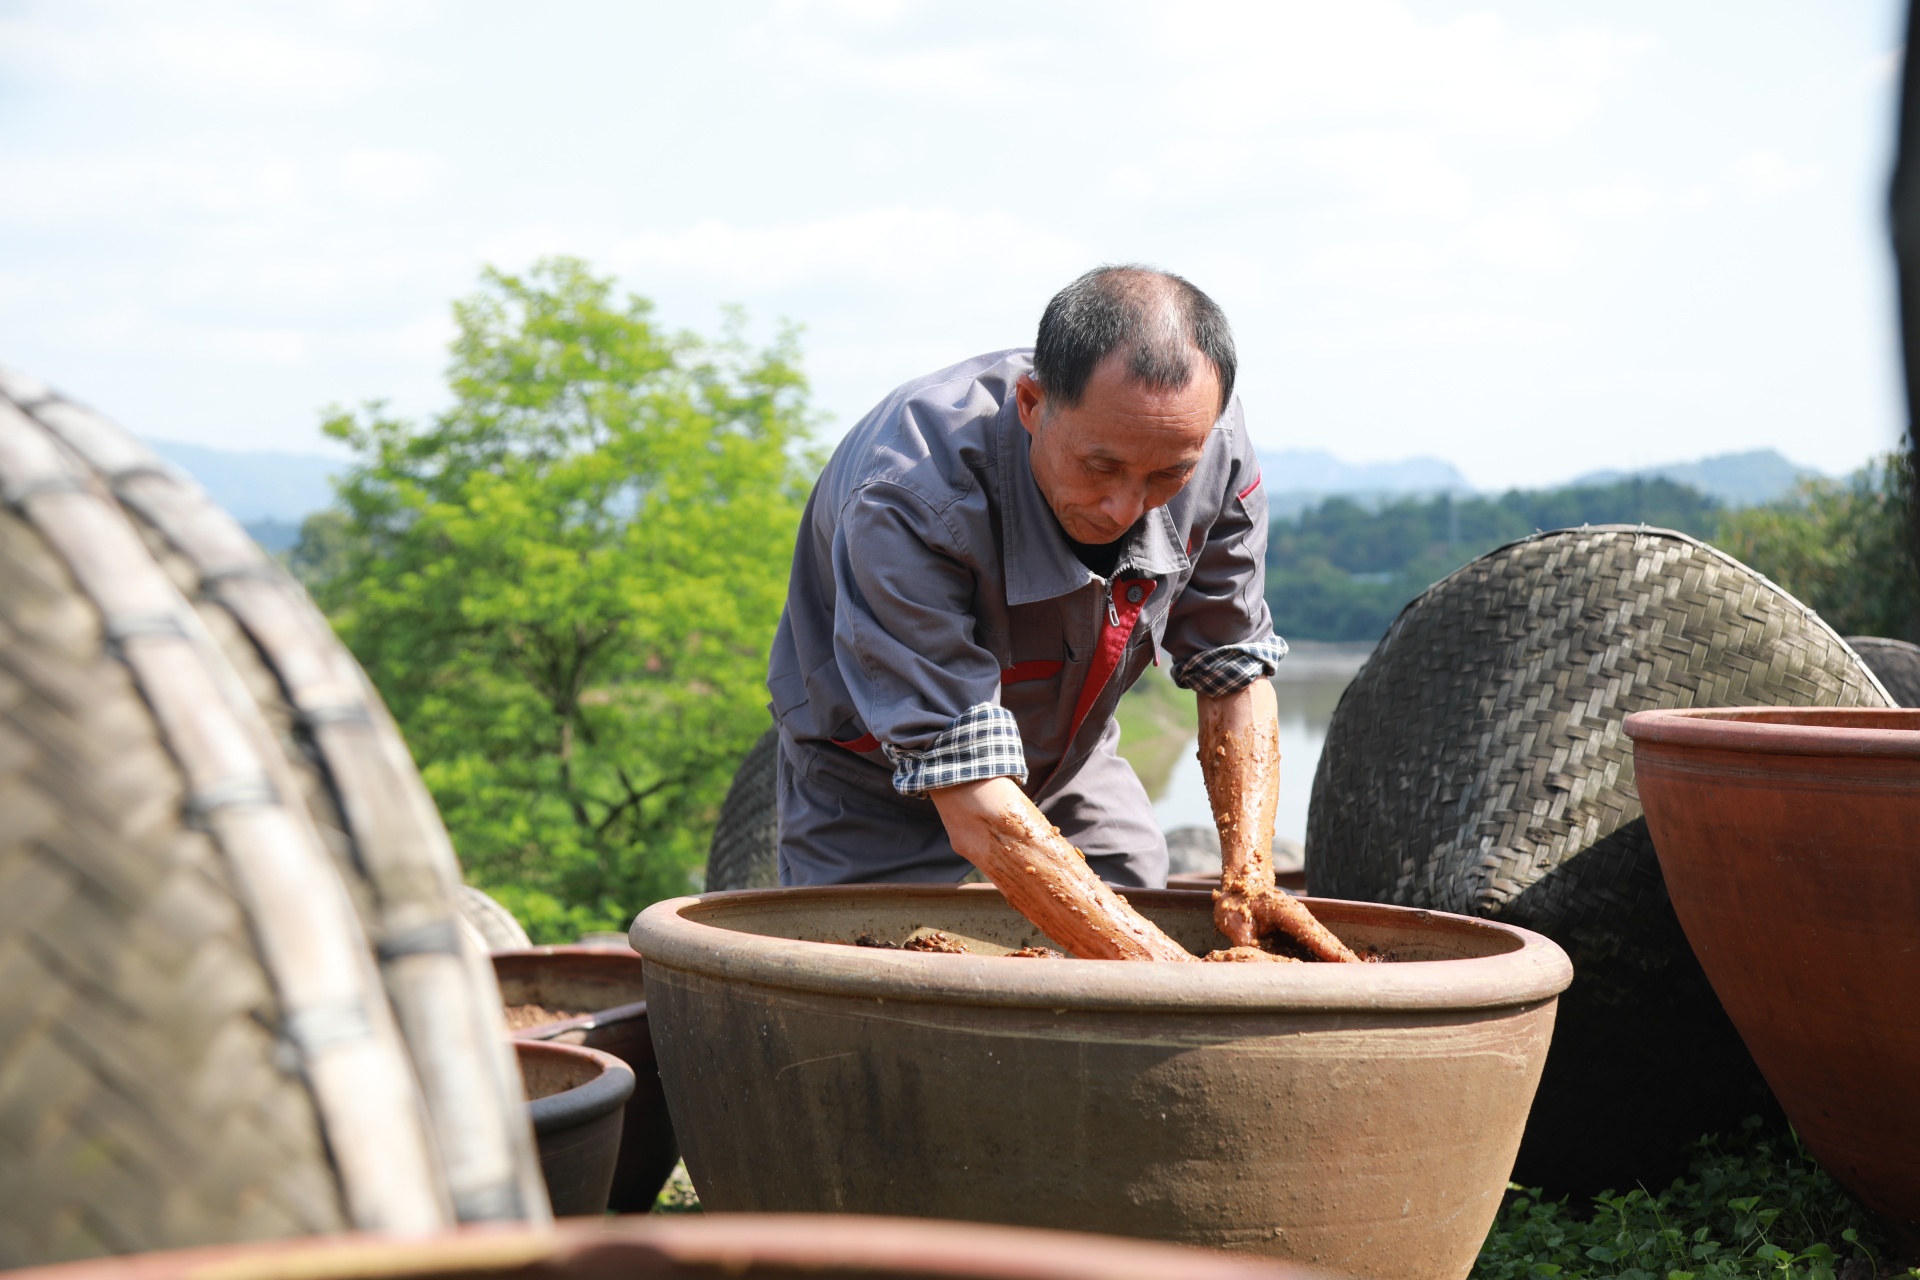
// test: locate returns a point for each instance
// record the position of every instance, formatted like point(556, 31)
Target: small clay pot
point(1790, 843)
point(607, 987)
point(1360, 1117)
point(695, 1247)
point(577, 1098)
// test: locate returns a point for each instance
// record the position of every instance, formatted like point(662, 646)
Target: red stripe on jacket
point(1111, 645)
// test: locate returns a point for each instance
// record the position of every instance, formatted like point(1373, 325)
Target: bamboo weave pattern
point(1477, 764)
point(143, 1102)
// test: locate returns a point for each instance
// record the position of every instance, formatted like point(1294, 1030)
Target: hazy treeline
point(1341, 570)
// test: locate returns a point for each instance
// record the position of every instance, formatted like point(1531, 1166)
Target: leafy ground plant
point(1755, 1205)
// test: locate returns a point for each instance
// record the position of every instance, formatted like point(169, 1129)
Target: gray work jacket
point(939, 629)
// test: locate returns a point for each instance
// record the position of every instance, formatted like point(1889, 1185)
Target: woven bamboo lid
point(1896, 662)
point(1477, 764)
point(233, 999)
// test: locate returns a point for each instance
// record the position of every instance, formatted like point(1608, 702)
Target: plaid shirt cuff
point(983, 742)
point(1231, 667)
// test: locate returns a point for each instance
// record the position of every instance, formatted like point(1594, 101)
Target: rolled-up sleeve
point(1219, 632)
point(903, 634)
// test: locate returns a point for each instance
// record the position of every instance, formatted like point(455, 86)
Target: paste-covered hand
point(1240, 759)
point(995, 827)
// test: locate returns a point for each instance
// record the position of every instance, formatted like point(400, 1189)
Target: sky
point(1533, 239)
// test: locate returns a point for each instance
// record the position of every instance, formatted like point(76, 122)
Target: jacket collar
point(1039, 563)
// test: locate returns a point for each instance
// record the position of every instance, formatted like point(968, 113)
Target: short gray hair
point(1156, 317)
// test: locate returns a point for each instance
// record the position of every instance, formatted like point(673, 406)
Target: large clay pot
point(1790, 842)
point(717, 1247)
point(1358, 1117)
point(608, 989)
point(576, 1098)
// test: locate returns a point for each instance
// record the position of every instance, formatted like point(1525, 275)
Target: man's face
point(1123, 450)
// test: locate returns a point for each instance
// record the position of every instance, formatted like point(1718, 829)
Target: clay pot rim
point(607, 1091)
point(861, 1243)
point(1793, 731)
point(1535, 970)
point(592, 1019)
point(612, 1016)
point(564, 949)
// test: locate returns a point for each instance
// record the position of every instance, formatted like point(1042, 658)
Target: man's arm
point(995, 827)
point(1240, 759)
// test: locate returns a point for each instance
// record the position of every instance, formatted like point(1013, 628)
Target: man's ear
point(1031, 401)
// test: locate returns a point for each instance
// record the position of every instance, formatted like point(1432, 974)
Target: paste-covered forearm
point(1046, 879)
point(1240, 760)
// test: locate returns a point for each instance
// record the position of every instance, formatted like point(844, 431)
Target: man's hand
point(1240, 760)
point(995, 827)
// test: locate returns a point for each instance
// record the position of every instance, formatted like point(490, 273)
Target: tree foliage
point(566, 585)
point(1842, 547)
point(1341, 570)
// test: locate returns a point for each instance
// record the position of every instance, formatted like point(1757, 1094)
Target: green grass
point(1157, 718)
point(1750, 1206)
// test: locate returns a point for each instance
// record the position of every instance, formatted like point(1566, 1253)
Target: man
point(991, 558)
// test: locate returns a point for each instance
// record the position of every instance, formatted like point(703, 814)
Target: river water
point(1309, 686)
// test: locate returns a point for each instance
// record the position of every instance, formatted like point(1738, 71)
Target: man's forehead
point(1157, 448)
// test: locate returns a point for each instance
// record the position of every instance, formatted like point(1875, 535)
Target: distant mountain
point(282, 487)
point(1736, 479)
point(277, 536)
point(1300, 478)
point(1317, 471)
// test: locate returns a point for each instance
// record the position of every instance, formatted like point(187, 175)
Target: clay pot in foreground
point(607, 989)
point(1357, 1117)
point(1790, 843)
point(577, 1097)
point(715, 1247)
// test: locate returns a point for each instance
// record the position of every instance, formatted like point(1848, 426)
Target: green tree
point(1841, 547)
point(566, 585)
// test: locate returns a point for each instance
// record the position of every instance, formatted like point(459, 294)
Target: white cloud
point(868, 12)
point(1381, 266)
point(1525, 240)
point(898, 246)
point(233, 53)
point(1262, 61)
point(1398, 172)
point(846, 44)
point(1883, 69)
point(388, 176)
point(1768, 173)
point(212, 177)
point(1627, 198)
